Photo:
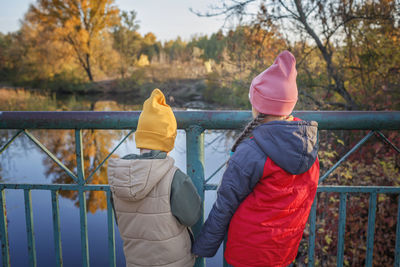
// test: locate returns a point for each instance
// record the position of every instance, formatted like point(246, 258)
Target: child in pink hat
point(271, 179)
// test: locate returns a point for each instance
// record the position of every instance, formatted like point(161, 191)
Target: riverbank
point(180, 93)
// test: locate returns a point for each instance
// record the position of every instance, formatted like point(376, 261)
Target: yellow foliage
point(78, 24)
point(106, 106)
point(340, 142)
point(149, 38)
point(328, 239)
point(207, 65)
point(143, 61)
point(197, 52)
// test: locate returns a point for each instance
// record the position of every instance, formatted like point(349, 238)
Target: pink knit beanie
point(274, 91)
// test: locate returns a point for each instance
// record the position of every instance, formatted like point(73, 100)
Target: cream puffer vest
point(152, 236)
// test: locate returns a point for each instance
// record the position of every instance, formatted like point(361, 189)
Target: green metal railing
point(194, 123)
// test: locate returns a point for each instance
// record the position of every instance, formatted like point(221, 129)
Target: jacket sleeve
point(242, 174)
point(185, 201)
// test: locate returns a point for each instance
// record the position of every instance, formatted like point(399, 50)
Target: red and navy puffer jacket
point(265, 196)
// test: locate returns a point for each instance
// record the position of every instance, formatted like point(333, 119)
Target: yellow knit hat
point(156, 128)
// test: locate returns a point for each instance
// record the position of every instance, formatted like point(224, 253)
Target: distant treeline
point(348, 54)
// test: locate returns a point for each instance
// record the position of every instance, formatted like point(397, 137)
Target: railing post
point(84, 233)
point(29, 228)
point(79, 157)
point(82, 197)
point(56, 227)
point(311, 242)
point(111, 231)
point(341, 230)
point(5, 248)
point(397, 250)
point(195, 169)
point(371, 229)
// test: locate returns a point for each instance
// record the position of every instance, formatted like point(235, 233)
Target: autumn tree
point(240, 54)
point(79, 24)
point(127, 41)
point(321, 22)
point(31, 56)
point(7, 62)
point(150, 46)
point(212, 47)
point(177, 50)
point(372, 58)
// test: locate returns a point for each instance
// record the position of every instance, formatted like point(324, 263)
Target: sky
point(167, 19)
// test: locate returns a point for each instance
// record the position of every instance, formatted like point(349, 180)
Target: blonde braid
point(249, 128)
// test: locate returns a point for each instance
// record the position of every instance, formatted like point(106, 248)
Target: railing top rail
point(328, 120)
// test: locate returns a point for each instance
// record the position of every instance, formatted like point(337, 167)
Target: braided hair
point(249, 128)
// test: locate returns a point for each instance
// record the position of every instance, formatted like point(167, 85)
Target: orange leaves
point(79, 24)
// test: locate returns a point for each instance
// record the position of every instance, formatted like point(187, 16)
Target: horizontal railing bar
point(207, 119)
point(343, 189)
point(360, 189)
point(210, 187)
point(70, 187)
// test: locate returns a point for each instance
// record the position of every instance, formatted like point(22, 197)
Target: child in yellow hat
point(154, 201)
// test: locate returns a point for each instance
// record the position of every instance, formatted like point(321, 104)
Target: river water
point(24, 162)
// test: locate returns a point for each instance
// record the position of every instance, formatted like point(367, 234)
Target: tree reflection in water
point(97, 144)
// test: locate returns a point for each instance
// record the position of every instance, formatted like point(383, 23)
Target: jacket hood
point(145, 174)
point(292, 145)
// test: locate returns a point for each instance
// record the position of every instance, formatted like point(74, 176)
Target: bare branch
point(300, 62)
point(294, 15)
point(237, 8)
point(352, 18)
point(311, 11)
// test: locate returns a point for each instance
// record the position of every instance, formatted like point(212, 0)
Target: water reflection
point(96, 146)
